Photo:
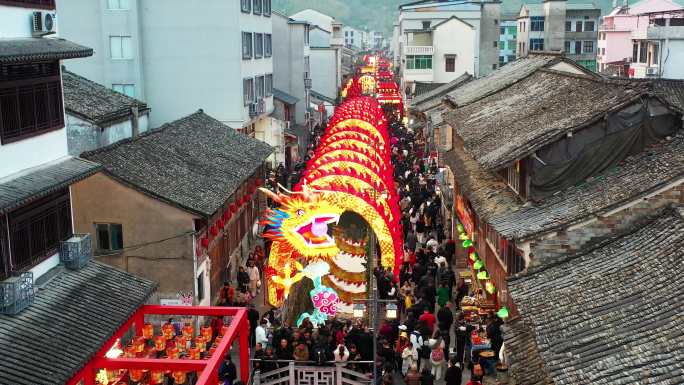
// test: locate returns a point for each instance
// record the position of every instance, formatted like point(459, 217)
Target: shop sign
point(464, 215)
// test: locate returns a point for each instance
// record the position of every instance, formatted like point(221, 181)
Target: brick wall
point(563, 242)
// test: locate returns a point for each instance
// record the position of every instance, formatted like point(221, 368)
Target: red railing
point(207, 369)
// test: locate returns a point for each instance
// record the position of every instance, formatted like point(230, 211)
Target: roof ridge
point(96, 84)
point(140, 136)
point(671, 209)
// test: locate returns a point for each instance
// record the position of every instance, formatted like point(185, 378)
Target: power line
point(134, 247)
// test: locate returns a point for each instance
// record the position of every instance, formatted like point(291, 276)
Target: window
point(118, 4)
point(307, 66)
point(511, 58)
point(578, 47)
point(635, 52)
point(502, 31)
point(450, 64)
point(656, 53)
point(257, 7)
point(522, 26)
point(567, 46)
point(589, 26)
point(502, 60)
point(258, 45)
point(568, 26)
point(267, 8)
point(248, 90)
point(496, 44)
point(268, 49)
point(247, 45)
point(121, 47)
point(496, 21)
point(418, 62)
point(269, 85)
point(307, 31)
point(537, 23)
point(588, 46)
point(513, 177)
point(246, 6)
point(494, 66)
point(260, 87)
point(511, 45)
point(578, 26)
point(643, 48)
point(520, 48)
point(536, 44)
point(36, 230)
point(30, 100)
point(426, 25)
point(109, 236)
point(126, 89)
point(200, 287)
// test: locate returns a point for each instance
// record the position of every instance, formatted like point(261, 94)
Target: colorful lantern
point(467, 243)
point(473, 256)
point(148, 331)
point(482, 275)
point(460, 228)
point(489, 287)
point(188, 331)
point(502, 313)
point(478, 264)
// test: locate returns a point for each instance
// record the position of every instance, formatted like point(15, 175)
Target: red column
point(244, 351)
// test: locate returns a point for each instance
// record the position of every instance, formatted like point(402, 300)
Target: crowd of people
point(417, 345)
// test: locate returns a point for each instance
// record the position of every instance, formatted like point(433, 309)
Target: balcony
point(665, 32)
point(419, 50)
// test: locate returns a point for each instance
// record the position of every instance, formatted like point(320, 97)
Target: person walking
point(454, 374)
point(254, 278)
point(437, 359)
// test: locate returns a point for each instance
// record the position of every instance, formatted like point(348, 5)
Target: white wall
point(32, 152)
point(323, 77)
point(463, 47)
point(673, 59)
point(315, 18)
point(319, 38)
point(17, 21)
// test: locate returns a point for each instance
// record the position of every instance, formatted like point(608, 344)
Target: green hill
point(380, 14)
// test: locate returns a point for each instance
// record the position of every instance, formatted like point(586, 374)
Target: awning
point(284, 97)
point(30, 49)
point(25, 186)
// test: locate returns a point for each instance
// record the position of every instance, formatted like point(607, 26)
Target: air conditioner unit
point(16, 293)
point(44, 23)
point(76, 251)
point(253, 110)
point(652, 71)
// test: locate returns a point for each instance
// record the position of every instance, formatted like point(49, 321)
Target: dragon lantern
point(350, 171)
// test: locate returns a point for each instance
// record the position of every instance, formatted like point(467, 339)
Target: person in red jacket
point(429, 320)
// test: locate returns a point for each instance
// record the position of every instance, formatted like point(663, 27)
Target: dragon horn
point(271, 195)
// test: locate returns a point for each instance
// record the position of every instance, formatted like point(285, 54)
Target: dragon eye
point(300, 212)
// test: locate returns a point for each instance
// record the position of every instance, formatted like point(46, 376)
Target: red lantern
point(205, 242)
point(220, 224)
point(226, 216)
point(252, 190)
point(259, 182)
point(213, 230)
point(233, 208)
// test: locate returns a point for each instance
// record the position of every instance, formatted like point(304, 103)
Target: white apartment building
point(180, 57)
point(440, 40)
point(36, 171)
point(353, 38)
point(658, 46)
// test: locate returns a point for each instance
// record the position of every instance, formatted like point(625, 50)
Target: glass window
point(248, 90)
point(536, 44)
point(635, 52)
point(567, 46)
point(109, 236)
point(511, 45)
point(537, 23)
point(269, 85)
point(426, 25)
point(578, 26)
point(267, 8)
point(450, 64)
point(578, 47)
point(588, 46)
point(568, 26)
point(118, 4)
point(656, 53)
point(267, 45)
point(126, 89)
point(257, 7)
point(258, 45)
point(418, 62)
point(643, 48)
point(246, 5)
point(496, 44)
point(502, 30)
point(502, 60)
point(260, 82)
point(247, 47)
point(200, 287)
point(589, 26)
point(121, 47)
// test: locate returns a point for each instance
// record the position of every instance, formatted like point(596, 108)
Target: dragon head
point(303, 223)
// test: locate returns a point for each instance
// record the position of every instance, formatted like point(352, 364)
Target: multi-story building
point(508, 43)
point(658, 46)
point(616, 48)
point(353, 38)
point(428, 50)
point(558, 26)
point(292, 61)
point(179, 57)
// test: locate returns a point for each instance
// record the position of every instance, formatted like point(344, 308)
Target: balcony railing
point(419, 50)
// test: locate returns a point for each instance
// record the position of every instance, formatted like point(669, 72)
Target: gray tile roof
point(94, 102)
point(535, 111)
point(29, 49)
point(434, 97)
point(21, 188)
point(610, 315)
point(321, 97)
point(633, 178)
point(73, 315)
point(195, 163)
point(501, 78)
point(422, 88)
point(284, 96)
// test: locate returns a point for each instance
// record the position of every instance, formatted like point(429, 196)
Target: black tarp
point(600, 146)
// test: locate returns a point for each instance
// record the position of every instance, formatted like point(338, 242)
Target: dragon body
point(350, 171)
